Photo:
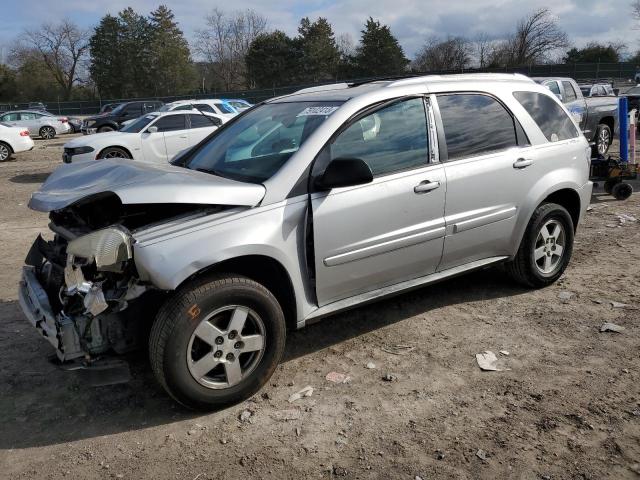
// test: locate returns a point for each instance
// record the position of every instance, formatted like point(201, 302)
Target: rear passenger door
point(392, 229)
point(490, 168)
point(200, 126)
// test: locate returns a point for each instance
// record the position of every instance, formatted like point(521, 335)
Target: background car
point(239, 104)
point(13, 140)
point(596, 90)
point(42, 124)
point(113, 120)
point(155, 137)
point(217, 106)
point(37, 106)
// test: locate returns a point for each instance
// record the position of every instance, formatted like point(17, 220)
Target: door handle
point(183, 136)
point(426, 186)
point(522, 163)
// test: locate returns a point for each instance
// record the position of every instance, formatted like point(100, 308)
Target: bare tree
point(62, 47)
point(452, 53)
point(537, 37)
point(225, 42)
point(483, 46)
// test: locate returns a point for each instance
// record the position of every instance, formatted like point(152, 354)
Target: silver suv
point(300, 207)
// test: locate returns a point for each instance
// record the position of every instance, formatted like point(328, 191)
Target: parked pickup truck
point(597, 116)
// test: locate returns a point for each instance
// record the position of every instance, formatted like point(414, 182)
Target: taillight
point(24, 133)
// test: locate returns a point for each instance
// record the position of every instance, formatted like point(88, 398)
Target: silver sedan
point(42, 124)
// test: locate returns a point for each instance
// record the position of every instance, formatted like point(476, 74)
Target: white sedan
point(13, 140)
point(156, 137)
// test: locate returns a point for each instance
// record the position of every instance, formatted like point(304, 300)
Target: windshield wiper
point(211, 171)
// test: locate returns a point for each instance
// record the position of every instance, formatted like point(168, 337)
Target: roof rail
point(322, 88)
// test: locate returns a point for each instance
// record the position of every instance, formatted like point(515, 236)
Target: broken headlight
point(108, 247)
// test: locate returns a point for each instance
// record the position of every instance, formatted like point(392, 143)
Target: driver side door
point(392, 229)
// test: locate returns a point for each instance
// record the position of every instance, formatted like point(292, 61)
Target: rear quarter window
point(548, 115)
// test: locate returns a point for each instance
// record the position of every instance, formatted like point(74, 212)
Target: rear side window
point(550, 117)
point(171, 123)
point(224, 108)
point(569, 92)
point(476, 124)
point(199, 121)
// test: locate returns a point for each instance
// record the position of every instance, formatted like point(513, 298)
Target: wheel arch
point(263, 269)
point(128, 152)
point(569, 199)
point(11, 150)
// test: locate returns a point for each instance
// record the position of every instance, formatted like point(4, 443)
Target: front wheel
point(217, 342)
point(114, 152)
point(545, 249)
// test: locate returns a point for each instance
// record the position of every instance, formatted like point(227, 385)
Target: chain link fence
point(619, 74)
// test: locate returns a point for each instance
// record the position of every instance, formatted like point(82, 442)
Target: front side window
point(256, 145)
point(476, 124)
point(28, 116)
point(550, 117)
point(391, 139)
point(170, 123)
point(569, 93)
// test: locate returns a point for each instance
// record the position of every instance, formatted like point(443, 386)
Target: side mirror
point(152, 129)
point(344, 172)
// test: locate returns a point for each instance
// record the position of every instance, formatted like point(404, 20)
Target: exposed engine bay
point(81, 290)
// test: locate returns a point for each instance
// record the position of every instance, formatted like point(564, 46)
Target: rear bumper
point(58, 331)
point(23, 144)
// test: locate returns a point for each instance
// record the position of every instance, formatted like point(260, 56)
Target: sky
point(411, 21)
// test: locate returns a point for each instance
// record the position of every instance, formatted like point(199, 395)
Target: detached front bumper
point(58, 330)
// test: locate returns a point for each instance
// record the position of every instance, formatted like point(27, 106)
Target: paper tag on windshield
point(323, 111)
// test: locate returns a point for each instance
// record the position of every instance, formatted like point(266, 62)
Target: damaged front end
point(73, 290)
point(81, 289)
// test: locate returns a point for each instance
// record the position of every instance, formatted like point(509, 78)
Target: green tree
point(135, 48)
point(379, 52)
point(319, 52)
point(107, 61)
point(8, 86)
point(271, 59)
point(172, 68)
point(594, 53)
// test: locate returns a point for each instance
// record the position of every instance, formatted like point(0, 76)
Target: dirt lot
point(568, 407)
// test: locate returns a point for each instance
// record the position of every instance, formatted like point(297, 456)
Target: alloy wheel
point(4, 152)
point(226, 347)
point(550, 247)
point(47, 133)
point(604, 139)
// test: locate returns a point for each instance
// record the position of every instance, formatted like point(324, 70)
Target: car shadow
point(30, 177)
point(43, 405)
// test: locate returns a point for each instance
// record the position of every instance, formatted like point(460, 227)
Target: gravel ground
point(568, 405)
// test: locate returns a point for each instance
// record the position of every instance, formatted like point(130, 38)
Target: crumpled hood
point(139, 182)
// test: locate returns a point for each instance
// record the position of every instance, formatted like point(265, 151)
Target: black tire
point(621, 191)
point(523, 268)
point(47, 133)
point(106, 128)
point(609, 184)
point(5, 151)
point(171, 334)
point(603, 139)
point(114, 152)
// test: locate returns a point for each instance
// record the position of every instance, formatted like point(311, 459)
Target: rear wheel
point(47, 133)
point(609, 184)
point(546, 247)
point(114, 152)
point(603, 139)
point(5, 151)
point(215, 343)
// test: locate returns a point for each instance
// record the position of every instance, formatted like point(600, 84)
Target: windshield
point(634, 91)
point(139, 124)
point(118, 109)
point(256, 145)
point(166, 107)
